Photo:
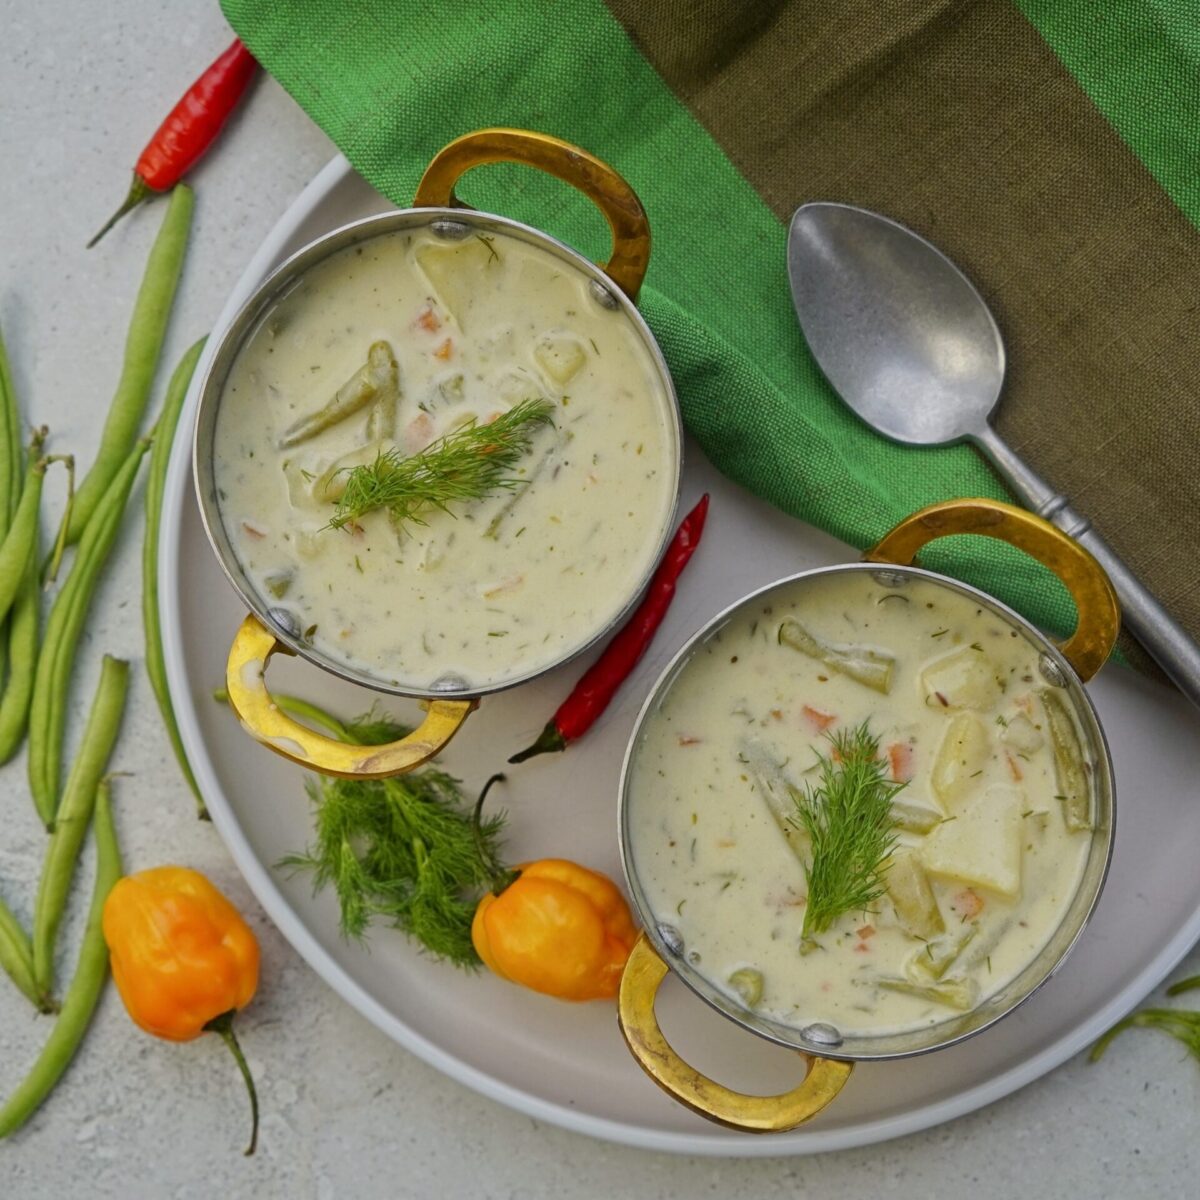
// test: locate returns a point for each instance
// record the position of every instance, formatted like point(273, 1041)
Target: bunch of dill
point(403, 849)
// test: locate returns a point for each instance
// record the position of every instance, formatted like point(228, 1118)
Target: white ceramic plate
point(566, 1063)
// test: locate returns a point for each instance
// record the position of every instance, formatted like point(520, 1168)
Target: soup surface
point(989, 834)
point(495, 588)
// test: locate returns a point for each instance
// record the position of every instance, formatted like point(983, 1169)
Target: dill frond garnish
point(401, 849)
point(469, 463)
point(848, 819)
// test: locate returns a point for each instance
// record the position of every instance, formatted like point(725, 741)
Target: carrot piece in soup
point(820, 721)
point(968, 904)
point(900, 760)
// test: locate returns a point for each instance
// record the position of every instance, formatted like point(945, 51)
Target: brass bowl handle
point(644, 972)
point(261, 717)
point(1098, 613)
point(597, 180)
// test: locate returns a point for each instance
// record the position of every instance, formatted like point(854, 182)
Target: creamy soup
point(388, 347)
point(989, 834)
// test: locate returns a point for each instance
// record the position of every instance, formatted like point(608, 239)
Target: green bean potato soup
point(394, 347)
point(859, 805)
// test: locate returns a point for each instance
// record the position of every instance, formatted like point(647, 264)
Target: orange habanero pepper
point(558, 928)
point(183, 959)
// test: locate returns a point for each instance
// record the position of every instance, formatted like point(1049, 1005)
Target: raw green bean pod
point(10, 464)
point(91, 971)
point(143, 344)
point(19, 642)
point(22, 659)
point(70, 827)
point(16, 955)
point(10, 441)
point(60, 540)
point(20, 542)
point(156, 667)
point(306, 711)
point(47, 712)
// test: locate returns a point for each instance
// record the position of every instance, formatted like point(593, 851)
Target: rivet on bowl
point(889, 579)
point(448, 683)
point(671, 938)
point(1051, 671)
point(451, 231)
point(285, 620)
point(821, 1034)
point(602, 295)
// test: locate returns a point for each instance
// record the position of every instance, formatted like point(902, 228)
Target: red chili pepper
point(593, 693)
point(190, 128)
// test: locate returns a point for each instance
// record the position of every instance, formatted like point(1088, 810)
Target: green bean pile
point(36, 669)
point(48, 706)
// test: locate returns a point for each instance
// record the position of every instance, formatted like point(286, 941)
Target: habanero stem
point(500, 876)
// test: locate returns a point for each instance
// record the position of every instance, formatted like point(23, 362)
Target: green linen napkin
point(1049, 146)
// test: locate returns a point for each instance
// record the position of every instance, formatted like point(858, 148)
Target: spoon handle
point(1162, 636)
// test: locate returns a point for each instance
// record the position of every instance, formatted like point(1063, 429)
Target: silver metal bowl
point(271, 627)
point(1064, 668)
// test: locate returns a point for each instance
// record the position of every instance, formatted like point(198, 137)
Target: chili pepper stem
point(549, 741)
point(139, 190)
point(501, 878)
point(223, 1027)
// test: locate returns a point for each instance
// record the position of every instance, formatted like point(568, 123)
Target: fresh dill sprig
point(401, 849)
point(848, 819)
point(1181, 1023)
point(466, 464)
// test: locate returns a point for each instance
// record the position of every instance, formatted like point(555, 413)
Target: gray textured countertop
point(345, 1111)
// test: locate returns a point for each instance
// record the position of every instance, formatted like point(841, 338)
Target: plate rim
point(714, 1144)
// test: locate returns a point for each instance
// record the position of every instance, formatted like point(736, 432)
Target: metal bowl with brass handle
point(827, 1052)
point(268, 628)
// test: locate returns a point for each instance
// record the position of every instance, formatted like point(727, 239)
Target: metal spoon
point(911, 347)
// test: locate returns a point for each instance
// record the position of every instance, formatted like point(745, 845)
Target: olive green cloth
point(1049, 147)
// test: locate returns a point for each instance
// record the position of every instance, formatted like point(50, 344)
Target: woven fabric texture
point(1006, 134)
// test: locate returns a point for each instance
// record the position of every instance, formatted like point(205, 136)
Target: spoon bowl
point(896, 327)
